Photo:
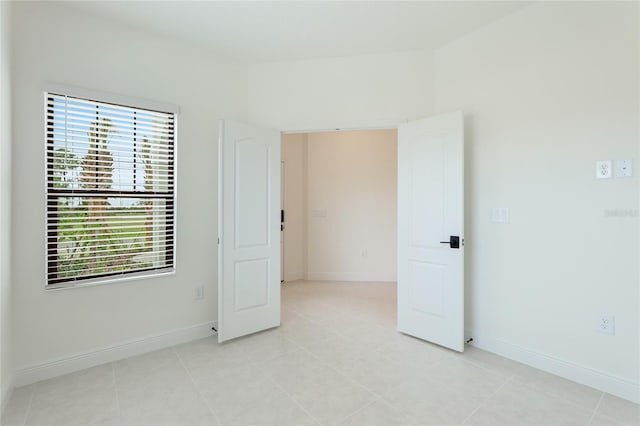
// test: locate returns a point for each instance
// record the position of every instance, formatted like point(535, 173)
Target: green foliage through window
point(110, 190)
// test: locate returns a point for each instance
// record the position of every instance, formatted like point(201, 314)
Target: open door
point(248, 229)
point(431, 230)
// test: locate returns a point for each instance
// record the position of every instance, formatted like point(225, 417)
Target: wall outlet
point(606, 324)
point(603, 169)
point(198, 293)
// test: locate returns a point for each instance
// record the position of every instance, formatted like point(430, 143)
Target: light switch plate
point(318, 213)
point(624, 168)
point(500, 215)
point(603, 169)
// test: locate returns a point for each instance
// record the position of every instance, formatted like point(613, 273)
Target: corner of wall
point(305, 210)
point(6, 365)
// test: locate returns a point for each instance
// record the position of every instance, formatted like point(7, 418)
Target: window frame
point(51, 237)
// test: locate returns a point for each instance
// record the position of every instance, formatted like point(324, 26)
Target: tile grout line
point(595, 410)
point(348, 416)
point(487, 369)
point(28, 410)
point(295, 401)
point(349, 379)
point(485, 401)
point(376, 395)
point(193, 382)
point(560, 396)
point(300, 347)
point(335, 370)
point(115, 386)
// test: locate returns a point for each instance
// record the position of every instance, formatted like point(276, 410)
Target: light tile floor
point(336, 359)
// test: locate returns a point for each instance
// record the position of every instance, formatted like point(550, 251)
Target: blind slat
point(123, 240)
point(88, 102)
point(72, 142)
point(118, 156)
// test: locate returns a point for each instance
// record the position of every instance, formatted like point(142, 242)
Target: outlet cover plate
point(603, 169)
point(624, 168)
point(606, 324)
point(198, 293)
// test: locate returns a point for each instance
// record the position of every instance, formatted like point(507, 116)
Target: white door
point(282, 221)
point(430, 217)
point(249, 230)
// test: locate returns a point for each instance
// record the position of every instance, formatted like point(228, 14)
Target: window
point(110, 190)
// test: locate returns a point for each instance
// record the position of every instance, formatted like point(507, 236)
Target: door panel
point(251, 284)
point(430, 210)
point(249, 230)
point(252, 187)
point(426, 291)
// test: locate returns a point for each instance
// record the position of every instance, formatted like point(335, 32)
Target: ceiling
point(269, 31)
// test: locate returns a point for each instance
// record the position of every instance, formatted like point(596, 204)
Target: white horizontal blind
point(110, 190)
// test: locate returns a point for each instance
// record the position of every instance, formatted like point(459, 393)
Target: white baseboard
point(7, 391)
point(618, 386)
point(80, 361)
point(347, 276)
point(293, 276)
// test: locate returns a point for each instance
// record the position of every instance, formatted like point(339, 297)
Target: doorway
point(340, 205)
point(430, 222)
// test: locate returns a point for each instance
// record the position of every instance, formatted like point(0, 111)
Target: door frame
point(396, 127)
point(331, 130)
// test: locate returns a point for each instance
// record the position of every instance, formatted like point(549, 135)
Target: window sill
point(106, 281)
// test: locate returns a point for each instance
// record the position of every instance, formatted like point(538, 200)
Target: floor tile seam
point(29, 404)
point(349, 379)
point(409, 415)
point(486, 369)
point(305, 317)
point(595, 410)
point(484, 402)
point(115, 386)
point(537, 391)
point(391, 360)
point(299, 347)
point(256, 363)
point(196, 387)
point(393, 388)
point(295, 401)
point(348, 416)
point(555, 395)
point(247, 405)
point(249, 364)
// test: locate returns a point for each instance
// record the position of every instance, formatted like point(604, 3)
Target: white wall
point(346, 93)
point(351, 205)
point(547, 92)
point(52, 43)
point(6, 371)
point(294, 153)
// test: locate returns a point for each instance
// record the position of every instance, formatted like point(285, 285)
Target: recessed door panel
point(427, 286)
point(251, 284)
point(427, 206)
point(252, 193)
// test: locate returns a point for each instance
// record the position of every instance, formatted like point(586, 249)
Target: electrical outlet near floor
point(606, 324)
